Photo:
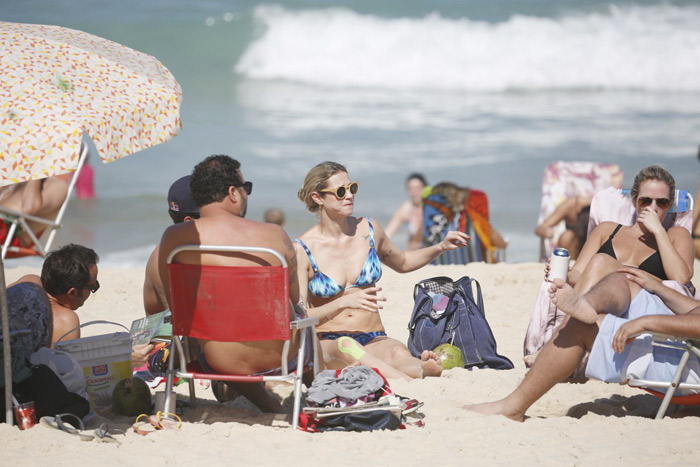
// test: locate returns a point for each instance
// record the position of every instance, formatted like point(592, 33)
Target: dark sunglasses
point(645, 201)
point(93, 287)
point(342, 190)
point(247, 186)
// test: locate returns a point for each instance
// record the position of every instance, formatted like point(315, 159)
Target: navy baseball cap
point(179, 199)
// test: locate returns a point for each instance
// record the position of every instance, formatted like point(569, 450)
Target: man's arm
point(674, 300)
point(154, 299)
point(687, 325)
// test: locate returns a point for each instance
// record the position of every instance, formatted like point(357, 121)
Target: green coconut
point(131, 397)
point(450, 356)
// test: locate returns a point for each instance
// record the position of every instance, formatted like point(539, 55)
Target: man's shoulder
point(32, 278)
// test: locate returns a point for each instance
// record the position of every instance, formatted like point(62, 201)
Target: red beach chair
point(234, 304)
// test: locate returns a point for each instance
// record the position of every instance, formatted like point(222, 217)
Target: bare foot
point(571, 303)
point(430, 364)
point(494, 408)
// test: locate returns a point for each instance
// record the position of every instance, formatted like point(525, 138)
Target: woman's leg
point(346, 351)
point(600, 266)
point(397, 355)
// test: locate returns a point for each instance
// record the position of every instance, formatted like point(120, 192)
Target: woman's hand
point(643, 279)
point(455, 239)
point(627, 332)
point(364, 299)
point(140, 353)
point(649, 220)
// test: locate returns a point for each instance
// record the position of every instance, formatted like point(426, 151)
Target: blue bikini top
point(325, 287)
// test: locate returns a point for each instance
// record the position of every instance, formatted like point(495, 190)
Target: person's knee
point(567, 240)
point(601, 265)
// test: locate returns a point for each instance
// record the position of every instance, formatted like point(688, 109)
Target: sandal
point(166, 421)
point(59, 423)
point(143, 427)
point(104, 434)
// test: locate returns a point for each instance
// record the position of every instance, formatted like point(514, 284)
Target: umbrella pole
point(6, 354)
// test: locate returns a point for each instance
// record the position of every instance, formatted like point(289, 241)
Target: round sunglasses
point(645, 201)
point(342, 190)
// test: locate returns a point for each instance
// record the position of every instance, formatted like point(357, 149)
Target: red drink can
point(25, 415)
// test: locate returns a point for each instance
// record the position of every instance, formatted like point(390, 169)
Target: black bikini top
point(652, 264)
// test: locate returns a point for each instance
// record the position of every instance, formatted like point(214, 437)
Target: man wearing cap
point(181, 208)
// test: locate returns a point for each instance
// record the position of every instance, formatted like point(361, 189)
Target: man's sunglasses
point(645, 201)
point(93, 287)
point(247, 186)
point(342, 190)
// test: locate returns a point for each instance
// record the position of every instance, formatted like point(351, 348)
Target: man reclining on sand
point(69, 276)
point(605, 322)
point(219, 189)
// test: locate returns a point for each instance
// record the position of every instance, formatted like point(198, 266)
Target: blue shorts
point(363, 338)
point(640, 360)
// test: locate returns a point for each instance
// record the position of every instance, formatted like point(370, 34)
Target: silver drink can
point(559, 264)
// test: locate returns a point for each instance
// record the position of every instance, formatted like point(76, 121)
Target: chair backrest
point(229, 303)
point(562, 180)
point(614, 205)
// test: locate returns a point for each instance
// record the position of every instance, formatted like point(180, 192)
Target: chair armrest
point(303, 323)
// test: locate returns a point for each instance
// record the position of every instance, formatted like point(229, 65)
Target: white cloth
point(66, 368)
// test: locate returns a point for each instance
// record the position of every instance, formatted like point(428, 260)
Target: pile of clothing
point(356, 398)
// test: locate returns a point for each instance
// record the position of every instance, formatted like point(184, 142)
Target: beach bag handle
point(97, 321)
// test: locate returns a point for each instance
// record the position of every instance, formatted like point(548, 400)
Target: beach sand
point(589, 424)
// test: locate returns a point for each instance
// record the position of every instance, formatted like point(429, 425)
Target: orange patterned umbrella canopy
point(56, 83)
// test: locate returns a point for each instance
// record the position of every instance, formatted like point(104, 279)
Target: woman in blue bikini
point(349, 250)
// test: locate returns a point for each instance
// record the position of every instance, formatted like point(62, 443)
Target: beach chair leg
point(674, 384)
point(297, 381)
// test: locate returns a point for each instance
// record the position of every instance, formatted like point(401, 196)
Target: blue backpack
point(462, 323)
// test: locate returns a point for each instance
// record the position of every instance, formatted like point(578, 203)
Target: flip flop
point(104, 434)
point(59, 423)
point(143, 427)
point(165, 421)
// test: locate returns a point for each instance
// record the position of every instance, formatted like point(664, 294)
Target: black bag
point(463, 323)
point(50, 395)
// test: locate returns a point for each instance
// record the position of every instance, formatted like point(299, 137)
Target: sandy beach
point(574, 424)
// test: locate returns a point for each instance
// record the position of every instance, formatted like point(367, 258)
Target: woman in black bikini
point(668, 255)
point(339, 262)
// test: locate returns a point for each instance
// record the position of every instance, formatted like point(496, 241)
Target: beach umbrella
point(57, 84)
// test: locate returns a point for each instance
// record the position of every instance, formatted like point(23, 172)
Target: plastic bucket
point(106, 360)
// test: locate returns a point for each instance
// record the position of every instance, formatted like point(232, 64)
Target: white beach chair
point(17, 220)
point(688, 347)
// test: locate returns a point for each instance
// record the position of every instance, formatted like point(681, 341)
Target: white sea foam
point(635, 47)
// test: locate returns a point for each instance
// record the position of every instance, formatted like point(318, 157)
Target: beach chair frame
point(19, 220)
point(688, 346)
point(217, 302)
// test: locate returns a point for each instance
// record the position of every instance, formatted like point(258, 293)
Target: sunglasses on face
point(645, 201)
point(247, 186)
point(93, 287)
point(342, 190)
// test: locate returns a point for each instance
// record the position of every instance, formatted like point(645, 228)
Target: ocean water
point(481, 93)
